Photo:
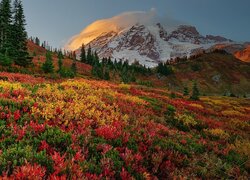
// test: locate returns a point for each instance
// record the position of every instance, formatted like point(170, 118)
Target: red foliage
point(125, 175)
point(17, 115)
point(23, 78)
point(29, 172)
point(59, 163)
point(110, 132)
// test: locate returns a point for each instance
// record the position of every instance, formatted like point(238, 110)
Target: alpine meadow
point(138, 95)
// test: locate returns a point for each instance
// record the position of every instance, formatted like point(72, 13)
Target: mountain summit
point(145, 37)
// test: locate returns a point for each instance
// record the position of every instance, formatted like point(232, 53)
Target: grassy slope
point(234, 75)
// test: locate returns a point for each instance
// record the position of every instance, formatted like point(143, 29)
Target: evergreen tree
point(106, 75)
point(73, 65)
point(48, 66)
point(19, 36)
point(195, 93)
point(95, 58)
point(83, 54)
point(5, 27)
point(60, 63)
point(97, 70)
point(89, 56)
point(37, 41)
point(5, 60)
point(185, 91)
point(164, 69)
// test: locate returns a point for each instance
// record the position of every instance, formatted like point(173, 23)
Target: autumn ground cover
point(88, 129)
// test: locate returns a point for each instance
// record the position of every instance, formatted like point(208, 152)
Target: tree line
point(13, 36)
point(105, 68)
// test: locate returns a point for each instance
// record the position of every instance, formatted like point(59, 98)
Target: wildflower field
point(88, 129)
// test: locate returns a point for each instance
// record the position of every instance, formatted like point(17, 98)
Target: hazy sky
point(58, 20)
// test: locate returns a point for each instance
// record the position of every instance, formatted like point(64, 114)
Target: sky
point(56, 21)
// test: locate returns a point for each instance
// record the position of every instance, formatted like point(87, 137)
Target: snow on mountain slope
point(115, 24)
point(144, 37)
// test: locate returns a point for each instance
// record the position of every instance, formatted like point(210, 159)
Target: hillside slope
point(216, 73)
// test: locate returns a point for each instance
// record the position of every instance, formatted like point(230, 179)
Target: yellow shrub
point(242, 147)
point(124, 86)
point(218, 133)
point(186, 119)
point(235, 123)
point(232, 113)
point(76, 101)
point(198, 106)
point(8, 85)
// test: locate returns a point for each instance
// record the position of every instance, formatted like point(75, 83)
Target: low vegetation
point(79, 129)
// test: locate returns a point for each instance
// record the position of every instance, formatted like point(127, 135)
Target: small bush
point(66, 73)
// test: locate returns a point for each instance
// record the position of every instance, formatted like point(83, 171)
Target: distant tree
point(185, 91)
point(60, 63)
point(73, 65)
point(83, 54)
point(97, 70)
point(106, 75)
point(89, 56)
point(95, 58)
point(232, 95)
point(195, 93)
point(48, 66)
point(37, 41)
point(164, 69)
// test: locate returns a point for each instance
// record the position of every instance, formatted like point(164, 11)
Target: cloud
point(117, 24)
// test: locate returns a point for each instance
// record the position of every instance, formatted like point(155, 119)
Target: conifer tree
point(106, 75)
point(95, 58)
point(5, 26)
point(195, 93)
point(48, 66)
point(37, 41)
point(83, 54)
point(89, 55)
point(73, 65)
point(19, 36)
point(60, 63)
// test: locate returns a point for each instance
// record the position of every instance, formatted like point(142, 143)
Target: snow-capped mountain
point(144, 37)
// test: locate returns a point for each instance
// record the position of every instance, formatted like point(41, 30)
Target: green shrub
point(57, 138)
point(66, 73)
point(17, 154)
